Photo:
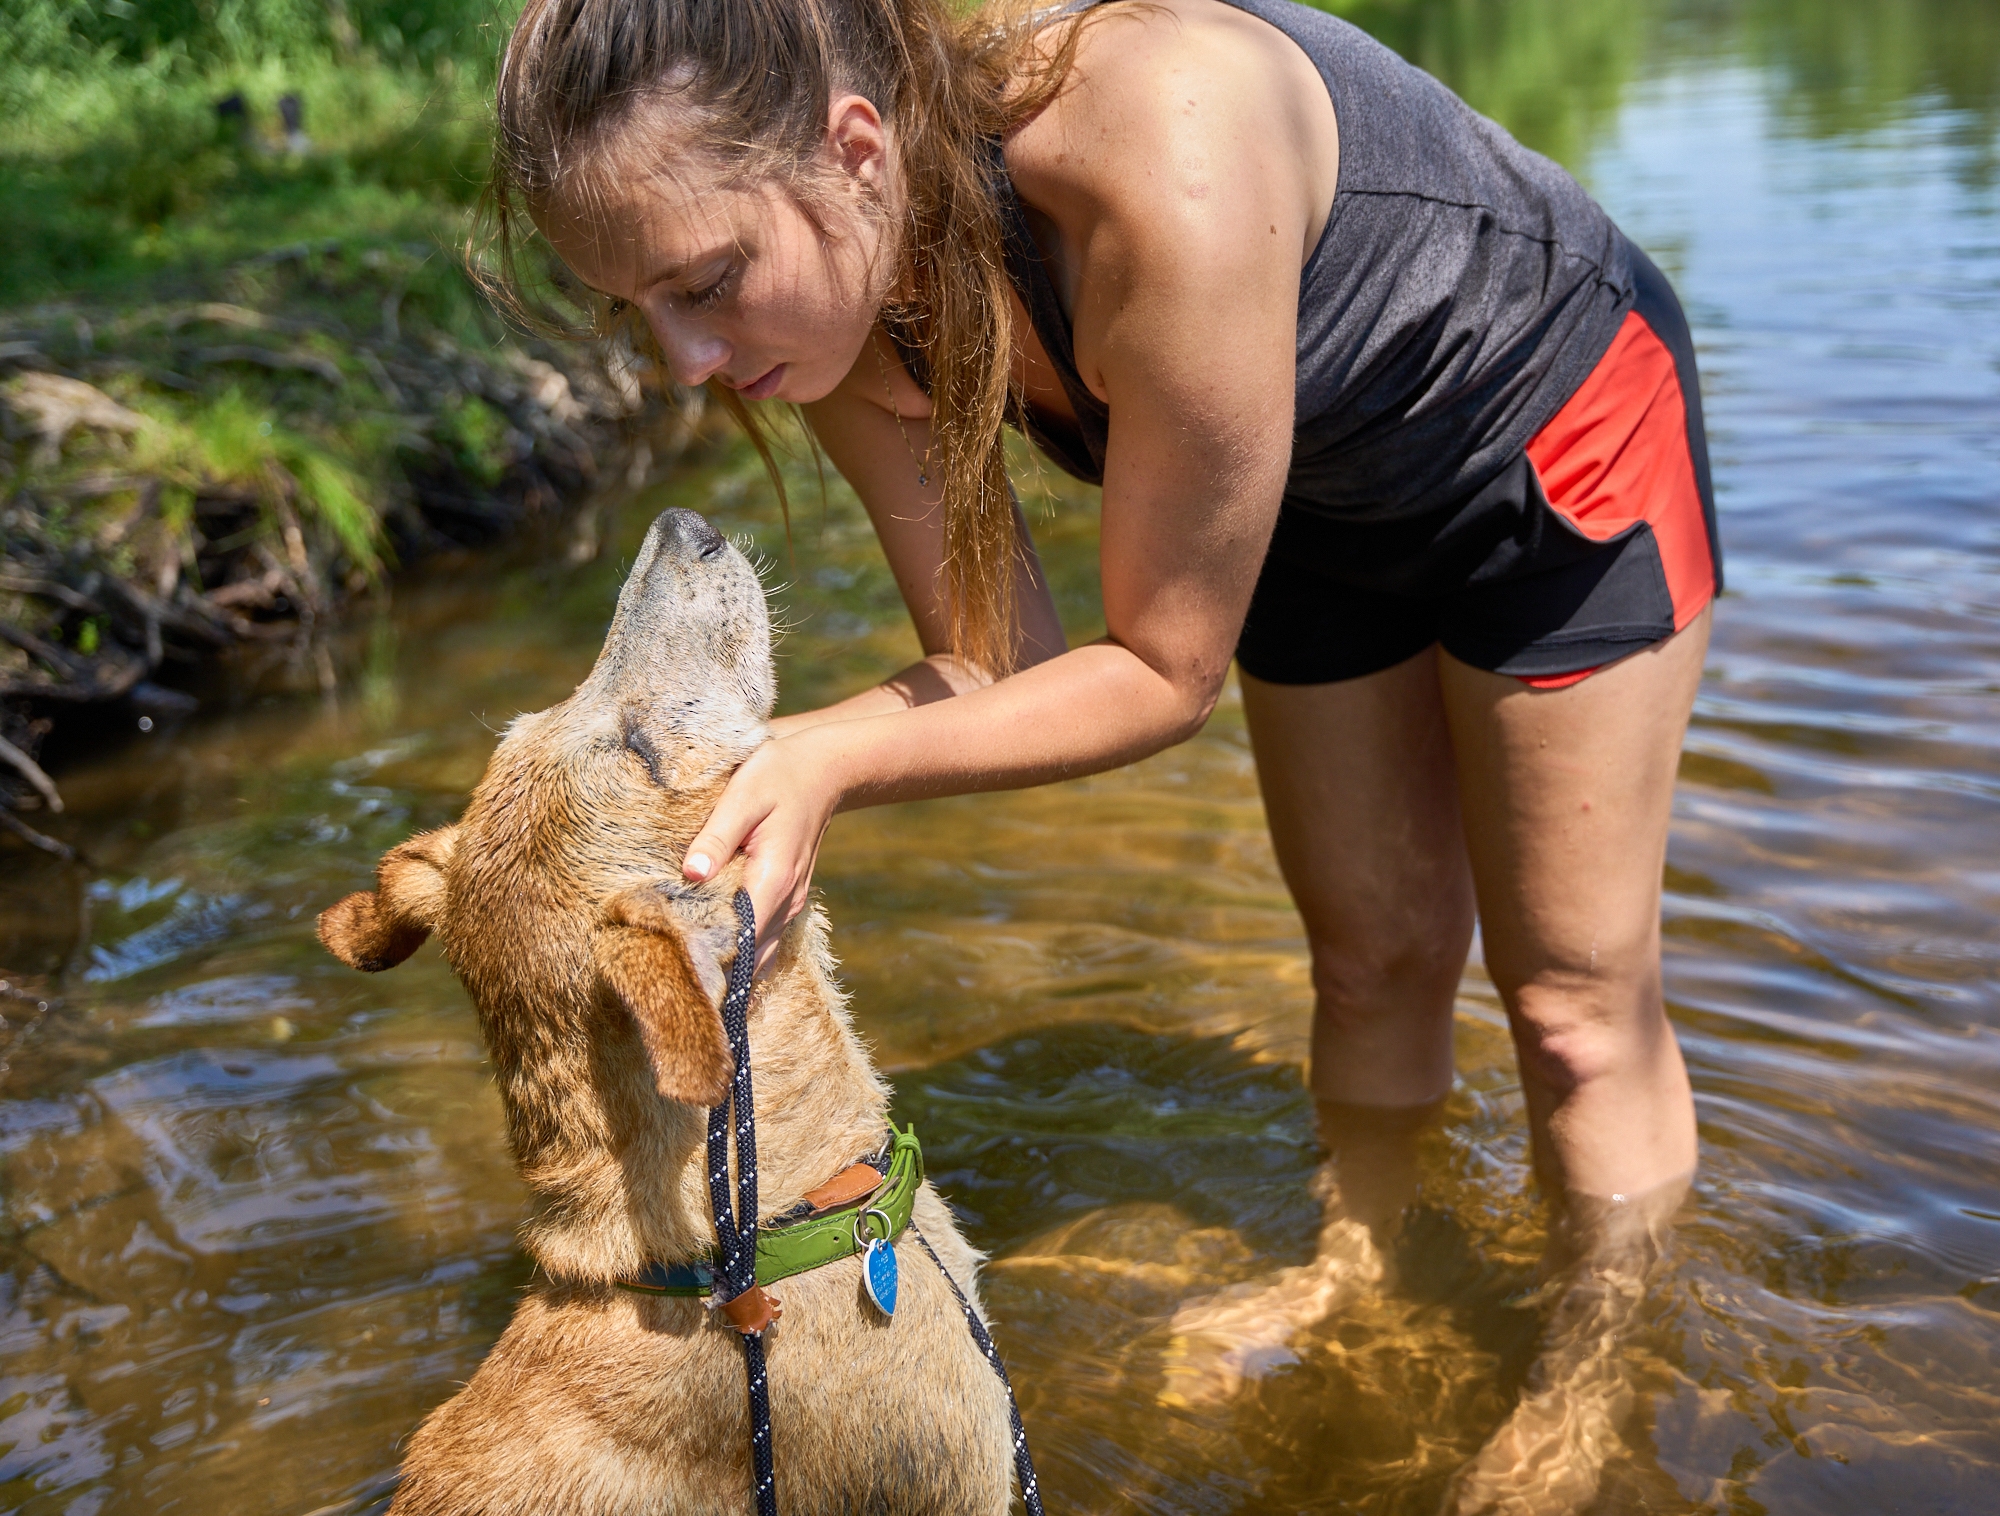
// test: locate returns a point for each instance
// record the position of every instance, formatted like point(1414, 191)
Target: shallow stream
point(256, 1212)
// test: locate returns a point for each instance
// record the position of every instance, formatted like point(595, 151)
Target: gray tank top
point(1462, 290)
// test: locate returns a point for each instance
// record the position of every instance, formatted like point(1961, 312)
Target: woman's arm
point(1184, 232)
point(881, 460)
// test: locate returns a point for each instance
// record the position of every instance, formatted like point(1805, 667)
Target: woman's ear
point(644, 962)
point(858, 140)
point(377, 929)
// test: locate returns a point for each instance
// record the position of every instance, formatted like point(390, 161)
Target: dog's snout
point(691, 620)
point(691, 530)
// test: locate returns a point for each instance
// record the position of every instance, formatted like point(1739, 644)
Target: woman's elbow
point(1196, 704)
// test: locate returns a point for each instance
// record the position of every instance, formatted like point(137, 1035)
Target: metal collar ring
point(862, 1234)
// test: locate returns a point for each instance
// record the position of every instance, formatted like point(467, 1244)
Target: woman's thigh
point(1567, 795)
point(1361, 792)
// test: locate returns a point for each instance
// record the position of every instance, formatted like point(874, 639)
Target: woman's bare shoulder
point(1175, 109)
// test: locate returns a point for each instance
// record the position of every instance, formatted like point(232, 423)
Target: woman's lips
point(764, 386)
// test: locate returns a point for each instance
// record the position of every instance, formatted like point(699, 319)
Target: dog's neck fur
point(617, 1173)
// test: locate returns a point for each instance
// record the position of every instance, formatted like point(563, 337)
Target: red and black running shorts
point(1599, 540)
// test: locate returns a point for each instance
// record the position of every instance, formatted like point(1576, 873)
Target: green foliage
point(339, 503)
point(441, 152)
point(53, 33)
point(1550, 71)
point(477, 436)
point(229, 441)
point(116, 165)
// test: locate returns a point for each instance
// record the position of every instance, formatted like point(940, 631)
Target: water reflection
point(1554, 72)
point(256, 1213)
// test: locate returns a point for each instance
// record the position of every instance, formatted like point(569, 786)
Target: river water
point(256, 1214)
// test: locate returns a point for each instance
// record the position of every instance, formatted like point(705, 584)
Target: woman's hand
point(774, 811)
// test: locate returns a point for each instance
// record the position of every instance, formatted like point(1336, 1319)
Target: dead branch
point(12, 823)
point(32, 772)
point(271, 358)
point(48, 589)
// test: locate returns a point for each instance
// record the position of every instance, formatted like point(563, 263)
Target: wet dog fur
point(557, 899)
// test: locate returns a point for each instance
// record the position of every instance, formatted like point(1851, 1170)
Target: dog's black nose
point(691, 530)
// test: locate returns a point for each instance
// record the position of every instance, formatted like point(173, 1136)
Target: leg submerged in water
point(1549, 1455)
point(1567, 796)
point(1367, 1182)
point(1362, 794)
point(1391, 798)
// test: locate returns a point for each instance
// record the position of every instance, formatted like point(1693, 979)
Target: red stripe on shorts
point(1616, 454)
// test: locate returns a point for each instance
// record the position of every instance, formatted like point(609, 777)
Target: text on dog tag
point(878, 1275)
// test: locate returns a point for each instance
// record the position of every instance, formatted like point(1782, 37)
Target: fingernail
point(697, 865)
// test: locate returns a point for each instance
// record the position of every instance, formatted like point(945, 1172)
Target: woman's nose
point(693, 352)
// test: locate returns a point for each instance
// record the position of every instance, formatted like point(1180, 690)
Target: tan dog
point(558, 901)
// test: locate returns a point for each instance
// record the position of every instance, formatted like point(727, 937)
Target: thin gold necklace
point(924, 463)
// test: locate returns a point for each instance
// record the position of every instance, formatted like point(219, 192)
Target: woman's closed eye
point(709, 296)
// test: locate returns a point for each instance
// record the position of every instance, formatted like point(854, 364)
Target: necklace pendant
point(923, 479)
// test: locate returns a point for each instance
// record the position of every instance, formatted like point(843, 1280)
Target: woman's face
point(740, 285)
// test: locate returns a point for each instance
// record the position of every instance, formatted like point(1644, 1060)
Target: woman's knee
point(1392, 968)
point(1571, 1030)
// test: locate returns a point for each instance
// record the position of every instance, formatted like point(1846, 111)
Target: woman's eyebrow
point(681, 268)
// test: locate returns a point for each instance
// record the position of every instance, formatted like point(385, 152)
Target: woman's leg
point(1362, 797)
point(1567, 795)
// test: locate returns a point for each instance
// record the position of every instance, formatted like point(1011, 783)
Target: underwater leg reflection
point(1549, 1454)
point(1367, 1183)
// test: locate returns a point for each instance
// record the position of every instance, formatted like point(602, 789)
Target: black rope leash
point(1024, 1465)
point(737, 1246)
point(736, 1232)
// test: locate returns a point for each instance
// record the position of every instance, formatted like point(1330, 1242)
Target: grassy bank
point(242, 372)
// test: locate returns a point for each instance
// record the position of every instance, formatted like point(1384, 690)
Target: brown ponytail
point(750, 81)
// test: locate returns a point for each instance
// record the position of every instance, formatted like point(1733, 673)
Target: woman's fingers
point(720, 840)
point(772, 812)
point(752, 793)
point(777, 893)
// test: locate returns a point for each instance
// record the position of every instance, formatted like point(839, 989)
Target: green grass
point(118, 175)
point(320, 385)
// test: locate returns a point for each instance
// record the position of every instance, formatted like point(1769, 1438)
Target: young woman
point(1383, 406)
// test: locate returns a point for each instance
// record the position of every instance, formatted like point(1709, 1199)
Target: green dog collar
point(814, 1242)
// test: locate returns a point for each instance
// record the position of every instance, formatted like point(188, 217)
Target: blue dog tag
point(878, 1275)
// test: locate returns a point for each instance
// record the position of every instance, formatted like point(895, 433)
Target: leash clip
point(752, 1311)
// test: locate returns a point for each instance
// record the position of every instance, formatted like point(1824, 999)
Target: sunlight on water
point(256, 1211)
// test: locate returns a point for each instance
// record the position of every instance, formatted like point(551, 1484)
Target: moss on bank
point(184, 475)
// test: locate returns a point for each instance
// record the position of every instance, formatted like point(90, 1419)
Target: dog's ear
point(377, 929)
point(665, 969)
